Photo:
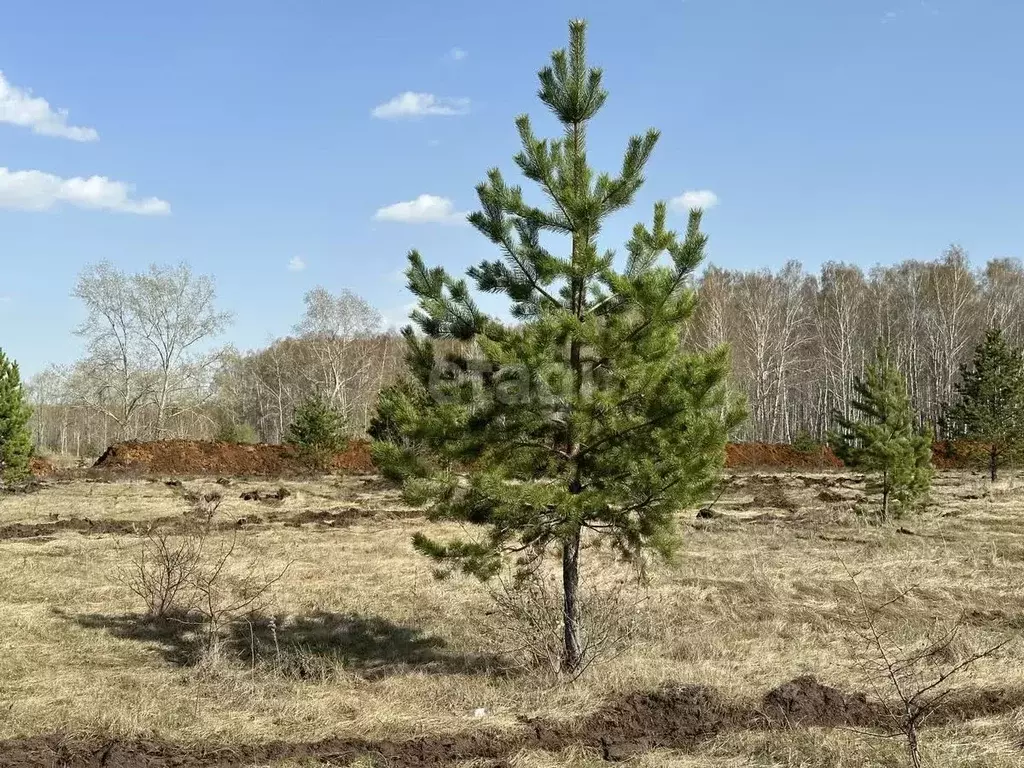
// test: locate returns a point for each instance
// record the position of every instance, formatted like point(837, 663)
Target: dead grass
point(360, 640)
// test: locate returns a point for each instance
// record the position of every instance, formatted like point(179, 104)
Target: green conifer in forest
point(990, 404)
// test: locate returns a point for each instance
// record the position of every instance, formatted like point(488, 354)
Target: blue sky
point(860, 130)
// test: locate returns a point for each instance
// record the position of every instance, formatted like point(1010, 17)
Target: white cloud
point(39, 191)
point(410, 104)
point(19, 107)
point(457, 54)
point(296, 264)
point(696, 198)
point(425, 209)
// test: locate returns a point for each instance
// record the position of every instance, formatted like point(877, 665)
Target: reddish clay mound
point(778, 456)
point(959, 454)
point(40, 467)
point(199, 457)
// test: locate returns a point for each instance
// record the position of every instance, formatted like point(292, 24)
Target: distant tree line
point(797, 341)
point(152, 368)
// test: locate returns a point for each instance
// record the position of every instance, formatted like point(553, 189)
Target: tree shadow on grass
point(318, 645)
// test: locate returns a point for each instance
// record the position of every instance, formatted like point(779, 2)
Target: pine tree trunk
point(885, 494)
point(992, 458)
point(573, 651)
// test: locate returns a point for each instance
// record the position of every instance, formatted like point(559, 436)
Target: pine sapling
point(584, 418)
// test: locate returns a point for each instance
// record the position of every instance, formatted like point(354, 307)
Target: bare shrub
point(529, 630)
point(232, 582)
point(162, 572)
point(164, 569)
point(192, 578)
point(912, 671)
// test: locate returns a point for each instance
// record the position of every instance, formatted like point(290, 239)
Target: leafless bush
point(914, 671)
point(530, 630)
point(232, 582)
point(162, 572)
point(192, 578)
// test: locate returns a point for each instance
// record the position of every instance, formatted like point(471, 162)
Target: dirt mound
point(773, 497)
point(778, 456)
point(335, 517)
point(41, 468)
point(672, 717)
point(805, 701)
point(484, 748)
point(831, 497)
point(82, 525)
point(199, 457)
point(959, 454)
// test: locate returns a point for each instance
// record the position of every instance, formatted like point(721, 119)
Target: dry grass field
point(359, 656)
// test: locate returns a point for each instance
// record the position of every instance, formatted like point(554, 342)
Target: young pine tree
point(881, 438)
point(990, 405)
point(317, 431)
point(15, 438)
point(585, 415)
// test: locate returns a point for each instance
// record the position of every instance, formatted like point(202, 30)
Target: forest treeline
point(798, 339)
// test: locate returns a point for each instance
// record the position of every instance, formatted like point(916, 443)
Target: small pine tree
point(238, 433)
point(398, 408)
point(804, 442)
point(881, 438)
point(990, 404)
point(15, 437)
point(318, 431)
point(587, 416)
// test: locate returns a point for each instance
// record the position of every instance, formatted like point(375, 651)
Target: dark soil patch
point(338, 517)
point(255, 495)
point(805, 701)
point(831, 497)
point(89, 527)
point(772, 497)
point(83, 525)
point(31, 485)
point(670, 717)
point(674, 718)
point(200, 457)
